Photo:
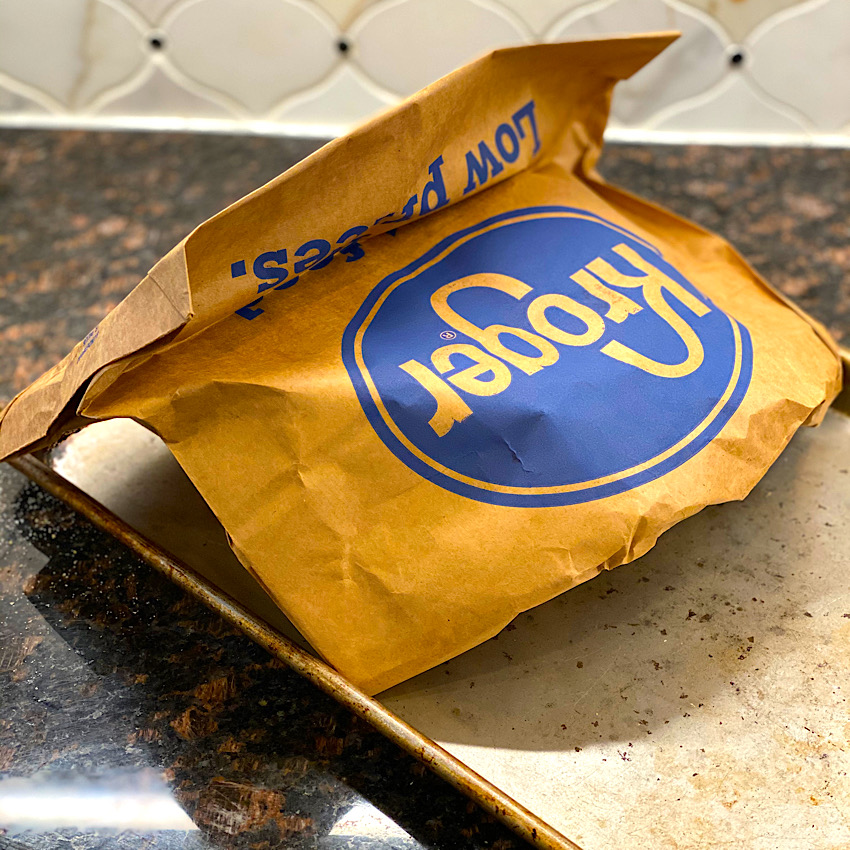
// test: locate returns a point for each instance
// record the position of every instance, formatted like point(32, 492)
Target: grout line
point(30, 92)
point(205, 91)
point(507, 13)
point(568, 18)
point(801, 7)
point(305, 95)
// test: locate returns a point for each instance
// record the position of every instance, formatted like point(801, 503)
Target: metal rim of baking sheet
point(512, 814)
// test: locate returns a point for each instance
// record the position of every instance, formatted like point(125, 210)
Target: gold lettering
point(470, 378)
point(451, 407)
point(620, 306)
point(490, 337)
point(537, 316)
point(654, 282)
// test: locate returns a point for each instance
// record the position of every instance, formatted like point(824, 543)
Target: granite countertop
point(112, 682)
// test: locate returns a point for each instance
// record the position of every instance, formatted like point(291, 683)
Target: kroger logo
point(544, 357)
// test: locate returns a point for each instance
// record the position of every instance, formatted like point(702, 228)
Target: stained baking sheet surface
point(694, 698)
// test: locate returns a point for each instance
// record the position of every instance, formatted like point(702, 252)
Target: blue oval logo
point(544, 357)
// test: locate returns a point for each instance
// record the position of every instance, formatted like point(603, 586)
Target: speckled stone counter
point(114, 683)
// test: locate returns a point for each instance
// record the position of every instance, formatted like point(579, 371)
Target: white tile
point(158, 95)
point(114, 51)
point(539, 15)
point(691, 65)
point(256, 51)
point(802, 57)
point(71, 50)
point(346, 98)
point(152, 10)
point(30, 29)
point(733, 107)
point(405, 44)
point(740, 17)
point(344, 12)
point(16, 103)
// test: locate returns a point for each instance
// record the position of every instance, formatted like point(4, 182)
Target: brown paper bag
point(439, 372)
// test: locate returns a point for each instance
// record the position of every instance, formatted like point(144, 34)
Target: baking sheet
point(694, 698)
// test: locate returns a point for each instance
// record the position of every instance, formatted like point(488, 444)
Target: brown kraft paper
point(440, 372)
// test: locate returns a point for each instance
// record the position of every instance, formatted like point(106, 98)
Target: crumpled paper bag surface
point(439, 372)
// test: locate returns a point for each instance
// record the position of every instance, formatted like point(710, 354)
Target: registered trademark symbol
point(448, 335)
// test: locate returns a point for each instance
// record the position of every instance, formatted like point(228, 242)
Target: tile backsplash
point(743, 70)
